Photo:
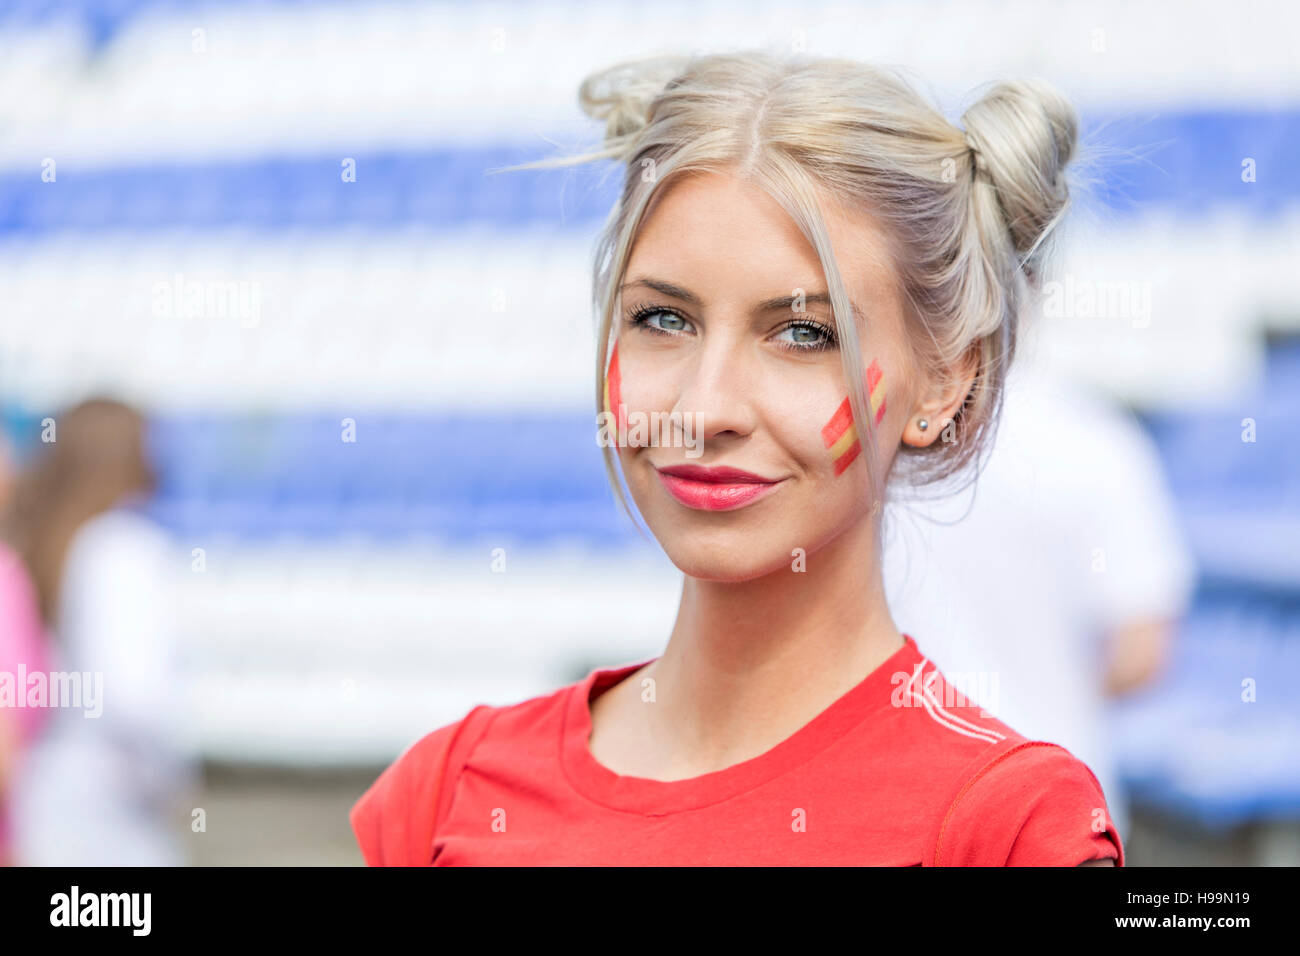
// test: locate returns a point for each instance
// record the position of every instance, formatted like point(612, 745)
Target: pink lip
point(715, 489)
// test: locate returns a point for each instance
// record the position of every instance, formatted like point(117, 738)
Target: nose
point(717, 388)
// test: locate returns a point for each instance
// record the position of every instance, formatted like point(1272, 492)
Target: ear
point(939, 407)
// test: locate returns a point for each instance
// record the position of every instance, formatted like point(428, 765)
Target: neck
point(750, 663)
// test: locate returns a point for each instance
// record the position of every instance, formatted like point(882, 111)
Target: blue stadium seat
point(1182, 162)
point(530, 476)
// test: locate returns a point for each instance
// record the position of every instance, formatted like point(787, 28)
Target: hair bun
point(1024, 135)
point(623, 94)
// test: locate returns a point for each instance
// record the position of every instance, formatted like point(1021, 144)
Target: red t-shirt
point(899, 771)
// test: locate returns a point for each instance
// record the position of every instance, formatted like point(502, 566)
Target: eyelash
point(639, 316)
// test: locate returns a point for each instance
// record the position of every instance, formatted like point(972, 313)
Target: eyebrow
point(782, 303)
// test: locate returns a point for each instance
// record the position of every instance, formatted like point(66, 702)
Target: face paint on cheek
point(841, 434)
point(614, 393)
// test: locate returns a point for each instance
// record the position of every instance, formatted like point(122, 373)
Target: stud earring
point(922, 424)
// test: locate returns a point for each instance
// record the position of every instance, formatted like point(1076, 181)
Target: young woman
point(815, 280)
point(100, 784)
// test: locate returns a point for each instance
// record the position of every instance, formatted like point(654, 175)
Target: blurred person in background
point(100, 785)
point(22, 651)
point(1056, 581)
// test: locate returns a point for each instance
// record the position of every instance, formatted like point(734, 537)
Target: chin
point(725, 557)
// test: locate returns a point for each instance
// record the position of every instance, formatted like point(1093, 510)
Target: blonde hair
point(967, 212)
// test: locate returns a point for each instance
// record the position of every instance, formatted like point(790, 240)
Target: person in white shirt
point(105, 782)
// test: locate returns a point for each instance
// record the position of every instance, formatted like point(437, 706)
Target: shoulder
point(999, 798)
point(117, 588)
point(395, 820)
point(1032, 804)
point(118, 552)
point(118, 530)
point(945, 725)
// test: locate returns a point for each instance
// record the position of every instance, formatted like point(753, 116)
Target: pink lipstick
point(716, 488)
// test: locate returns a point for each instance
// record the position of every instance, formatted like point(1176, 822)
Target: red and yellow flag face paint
point(841, 434)
point(614, 393)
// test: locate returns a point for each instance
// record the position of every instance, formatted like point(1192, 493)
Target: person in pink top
point(22, 651)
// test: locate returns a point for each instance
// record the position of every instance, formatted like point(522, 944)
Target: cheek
point(637, 384)
point(840, 434)
point(635, 392)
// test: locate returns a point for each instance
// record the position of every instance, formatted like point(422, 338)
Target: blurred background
point(363, 374)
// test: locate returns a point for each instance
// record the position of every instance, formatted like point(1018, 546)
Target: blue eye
point(807, 336)
point(658, 319)
point(798, 335)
